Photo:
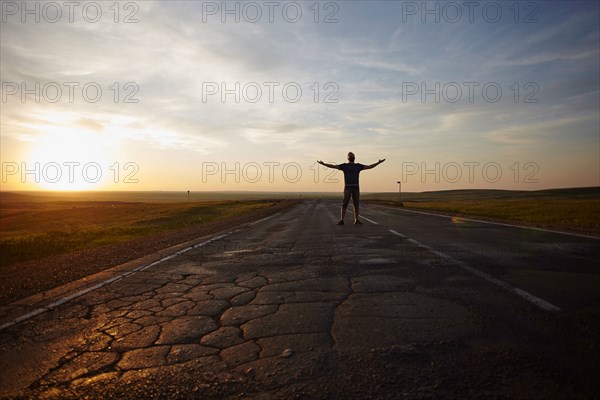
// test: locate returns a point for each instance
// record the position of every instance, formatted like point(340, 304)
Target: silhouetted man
point(351, 171)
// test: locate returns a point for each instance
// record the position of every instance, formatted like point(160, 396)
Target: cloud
point(541, 133)
point(171, 54)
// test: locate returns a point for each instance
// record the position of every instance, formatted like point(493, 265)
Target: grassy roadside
point(579, 215)
point(35, 230)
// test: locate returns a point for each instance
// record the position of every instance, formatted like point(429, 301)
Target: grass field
point(36, 226)
point(576, 210)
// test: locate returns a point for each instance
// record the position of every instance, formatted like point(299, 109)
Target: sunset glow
point(161, 92)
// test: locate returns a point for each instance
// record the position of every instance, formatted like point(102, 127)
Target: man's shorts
point(351, 191)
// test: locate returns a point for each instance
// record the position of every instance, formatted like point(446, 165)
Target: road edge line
point(541, 303)
point(491, 222)
point(123, 275)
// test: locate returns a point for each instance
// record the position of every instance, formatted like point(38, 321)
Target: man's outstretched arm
point(328, 165)
point(374, 164)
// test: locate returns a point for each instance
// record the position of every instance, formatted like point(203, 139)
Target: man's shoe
point(341, 222)
point(357, 222)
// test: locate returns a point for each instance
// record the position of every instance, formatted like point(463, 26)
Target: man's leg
point(347, 194)
point(355, 202)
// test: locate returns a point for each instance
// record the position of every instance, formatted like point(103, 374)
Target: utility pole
point(400, 192)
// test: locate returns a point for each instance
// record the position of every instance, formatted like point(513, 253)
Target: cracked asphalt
point(297, 307)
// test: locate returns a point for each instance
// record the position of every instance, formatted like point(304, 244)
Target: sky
point(197, 95)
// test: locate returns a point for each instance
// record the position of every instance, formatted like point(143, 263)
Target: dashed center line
point(370, 220)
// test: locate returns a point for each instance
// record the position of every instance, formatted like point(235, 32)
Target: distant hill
point(482, 194)
point(182, 196)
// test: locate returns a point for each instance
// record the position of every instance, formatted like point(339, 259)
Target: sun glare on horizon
point(68, 159)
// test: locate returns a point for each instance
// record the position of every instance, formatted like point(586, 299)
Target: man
point(351, 171)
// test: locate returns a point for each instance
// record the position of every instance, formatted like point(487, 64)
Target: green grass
point(144, 196)
point(567, 214)
point(31, 230)
point(563, 209)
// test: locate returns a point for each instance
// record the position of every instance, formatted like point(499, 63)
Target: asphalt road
point(407, 305)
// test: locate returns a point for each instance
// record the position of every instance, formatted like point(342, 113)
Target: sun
point(62, 158)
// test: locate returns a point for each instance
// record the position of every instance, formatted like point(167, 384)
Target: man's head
point(351, 156)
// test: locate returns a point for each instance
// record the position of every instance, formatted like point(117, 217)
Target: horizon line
point(279, 191)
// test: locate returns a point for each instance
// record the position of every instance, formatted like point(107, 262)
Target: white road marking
point(372, 261)
point(362, 216)
point(264, 219)
point(543, 304)
point(490, 222)
point(370, 220)
point(116, 278)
